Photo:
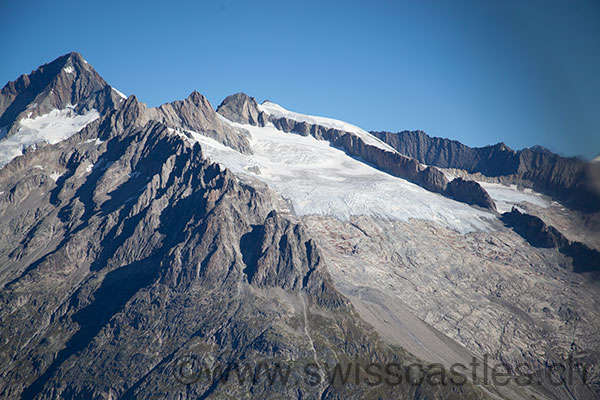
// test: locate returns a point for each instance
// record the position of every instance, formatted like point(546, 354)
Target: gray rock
point(196, 114)
point(142, 255)
point(240, 108)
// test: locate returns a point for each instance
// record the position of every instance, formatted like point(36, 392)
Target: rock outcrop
point(240, 108)
point(470, 192)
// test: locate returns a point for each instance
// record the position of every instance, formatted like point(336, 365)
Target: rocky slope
point(196, 114)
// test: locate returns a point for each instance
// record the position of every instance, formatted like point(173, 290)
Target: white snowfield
point(277, 111)
point(51, 128)
point(319, 179)
point(123, 96)
point(506, 197)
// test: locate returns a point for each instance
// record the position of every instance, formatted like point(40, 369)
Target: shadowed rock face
point(538, 234)
point(444, 153)
point(470, 192)
point(567, 179)
point(68, 80)
point(244, 109)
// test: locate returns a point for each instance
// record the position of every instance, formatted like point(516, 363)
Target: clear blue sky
point(524, 72)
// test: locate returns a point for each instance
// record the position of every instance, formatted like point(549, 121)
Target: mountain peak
point(502, 147)
point(198, 99)
point(67, 82)
point(240, 108)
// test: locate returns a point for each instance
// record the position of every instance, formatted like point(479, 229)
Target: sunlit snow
point(55, 175)
point(506, 197)
point(51, 128)
point(319, 179)
point(277, 111)
point(119, 93)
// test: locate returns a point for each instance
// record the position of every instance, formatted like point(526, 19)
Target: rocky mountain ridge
point(568, 179)
point(130, 260)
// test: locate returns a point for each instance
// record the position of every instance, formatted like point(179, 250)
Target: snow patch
point(506, 197)
point(279, 112)
point(55, 175)
point(51, 128)
point(449, 174)
point(323, 180)
point(119, 93)
point(96, 141)
point(69, 69)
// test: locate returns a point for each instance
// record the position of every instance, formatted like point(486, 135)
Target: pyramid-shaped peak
point(240, 108)
point(66, 82)
point(197, 98)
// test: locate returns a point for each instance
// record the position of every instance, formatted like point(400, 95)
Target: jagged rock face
point(444, 153)
point(243, 109)
point(534, 229)
point(470, 192)
point(567, 179)
point(196, 114)
point(68, 80)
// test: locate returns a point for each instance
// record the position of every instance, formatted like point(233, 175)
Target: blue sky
point(522, 72)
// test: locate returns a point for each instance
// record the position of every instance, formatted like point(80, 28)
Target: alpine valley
point(188, 252)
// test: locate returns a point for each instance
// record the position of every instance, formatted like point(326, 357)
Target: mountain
point(255, 252)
